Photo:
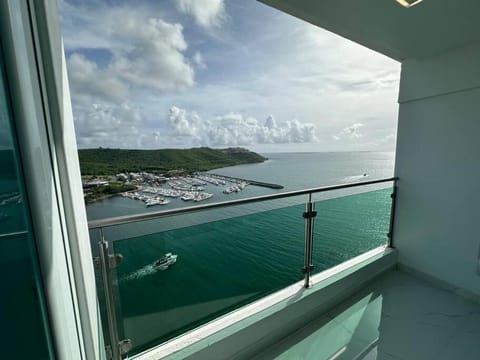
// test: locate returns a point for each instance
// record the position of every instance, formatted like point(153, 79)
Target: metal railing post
point(392, 214)
point(118, 347)
point(309, 216)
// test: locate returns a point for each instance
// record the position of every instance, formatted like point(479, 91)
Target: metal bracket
point(115, 260)
point(309, 214)
point(108, 352)
point(309, 269)
point(96, 261)
point(124, 346)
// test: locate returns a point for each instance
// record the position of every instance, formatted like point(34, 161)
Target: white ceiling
point(426, 29)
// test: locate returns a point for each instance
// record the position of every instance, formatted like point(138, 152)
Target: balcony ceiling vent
point(409, 3)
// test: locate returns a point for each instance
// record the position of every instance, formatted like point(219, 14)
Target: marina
point(155, 190)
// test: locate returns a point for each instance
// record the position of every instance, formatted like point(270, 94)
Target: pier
point(250, 182)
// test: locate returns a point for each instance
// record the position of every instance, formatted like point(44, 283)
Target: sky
point(222, 73)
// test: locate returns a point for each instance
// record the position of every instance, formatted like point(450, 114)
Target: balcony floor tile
point(396, 317)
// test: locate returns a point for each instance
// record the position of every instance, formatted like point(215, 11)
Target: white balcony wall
point(438, 163)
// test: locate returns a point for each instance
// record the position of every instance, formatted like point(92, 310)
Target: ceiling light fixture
point(409, 3)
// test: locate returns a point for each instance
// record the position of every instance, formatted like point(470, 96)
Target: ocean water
point(230, 257)
point(294, 171)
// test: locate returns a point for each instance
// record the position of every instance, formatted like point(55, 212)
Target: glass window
point(23, 328)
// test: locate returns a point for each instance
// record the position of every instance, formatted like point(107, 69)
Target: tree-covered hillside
point(113, 161)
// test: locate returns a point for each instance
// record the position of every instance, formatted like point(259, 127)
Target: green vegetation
point(113, 161)
point(102, 191)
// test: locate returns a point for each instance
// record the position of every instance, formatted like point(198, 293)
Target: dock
point(250, 182)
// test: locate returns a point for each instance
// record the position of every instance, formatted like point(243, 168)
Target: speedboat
point(165, 261)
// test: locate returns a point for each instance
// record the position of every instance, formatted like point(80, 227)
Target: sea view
point(294, 171)
point(232, 256)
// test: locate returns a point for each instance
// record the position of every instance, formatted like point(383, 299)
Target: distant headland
point(109, 172)
point(106, 161)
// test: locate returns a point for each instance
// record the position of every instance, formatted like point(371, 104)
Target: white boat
point(202, 196)
point(187, 196)
point(165, 261)
point(156, 201)
point(233, 188)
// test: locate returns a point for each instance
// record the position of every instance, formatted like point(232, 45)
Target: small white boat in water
point(231, 189)
point(188, 196)
point(165, 261)
point(202, 196)
point(156, 201)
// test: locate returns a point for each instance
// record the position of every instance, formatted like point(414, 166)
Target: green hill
point(113, 161)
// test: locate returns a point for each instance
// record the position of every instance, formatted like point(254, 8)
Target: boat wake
point(158, 265)
point(355, 177)
point(147, 270)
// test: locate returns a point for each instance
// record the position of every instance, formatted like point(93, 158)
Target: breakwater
point(250, 182)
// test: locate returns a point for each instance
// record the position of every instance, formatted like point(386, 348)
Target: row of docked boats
point(185, 188)
point(163, 191)
point(157, 196)
point(157, 201)
point(235, 188)
point(212, 180)
point(147, 198)
point(196, 196)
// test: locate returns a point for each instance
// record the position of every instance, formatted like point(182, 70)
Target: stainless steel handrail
point(13, 235)
point(120, 220)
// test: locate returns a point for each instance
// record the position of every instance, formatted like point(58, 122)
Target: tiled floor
point(398, 317)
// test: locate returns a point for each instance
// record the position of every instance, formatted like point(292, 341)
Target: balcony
point(236, 260)
point(416, 301)
point(320, 287)
point(397, 316)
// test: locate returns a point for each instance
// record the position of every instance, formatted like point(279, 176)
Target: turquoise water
point(230, 257)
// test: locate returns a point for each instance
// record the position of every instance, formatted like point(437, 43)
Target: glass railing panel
point(250, 252)
point(349, 225)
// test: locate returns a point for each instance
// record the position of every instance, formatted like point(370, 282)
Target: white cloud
point(124, 126)
point(207, 13)
point(109, 125)
point(145, 52)
point(385, 142)
point(256, 63)
point(87, 79)
point(183, 124)
point(352, 132)
point(235, 129)
point(154, 56)
point(199, 61)
point(270, 122)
